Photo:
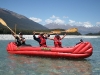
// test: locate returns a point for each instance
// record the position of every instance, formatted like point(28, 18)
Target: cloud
point(85, 24)
point(35, 19)
point(71, 21)
point(65, 16)
point(59, 21)
point(54, 17)
point(48, 21)
point(97, 23)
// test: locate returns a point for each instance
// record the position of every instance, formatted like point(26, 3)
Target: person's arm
point(13, 35)
point(16, 36)
point(46, 35)
point(63, 36)
point(35, 38)
point(50, 38)
point(23, 40)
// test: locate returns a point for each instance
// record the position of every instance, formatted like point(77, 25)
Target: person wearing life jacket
point(20, 40)
point(57, 40)
point(41, 39)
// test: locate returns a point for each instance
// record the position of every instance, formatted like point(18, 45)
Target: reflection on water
point(26, 65)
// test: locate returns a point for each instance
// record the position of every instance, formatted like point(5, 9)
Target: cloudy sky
point(74, 12)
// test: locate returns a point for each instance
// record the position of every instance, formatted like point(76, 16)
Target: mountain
point(81, 29)
point(22, 22)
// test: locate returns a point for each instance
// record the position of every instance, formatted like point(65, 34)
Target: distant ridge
point(22, 22)
point(81, 29)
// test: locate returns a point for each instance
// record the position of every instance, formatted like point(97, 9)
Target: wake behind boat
point(80, 50)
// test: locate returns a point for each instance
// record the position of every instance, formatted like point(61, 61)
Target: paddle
point(4, 24)
point(71, 30)
point(15, 27)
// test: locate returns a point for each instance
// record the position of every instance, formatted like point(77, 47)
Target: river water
point(35, 65)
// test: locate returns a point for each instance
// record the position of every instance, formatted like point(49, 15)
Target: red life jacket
point(57, 42)
point(42, 41)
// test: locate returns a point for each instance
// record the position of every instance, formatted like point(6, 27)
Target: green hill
point(22, 22)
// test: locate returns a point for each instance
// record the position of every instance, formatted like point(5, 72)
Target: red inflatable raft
point(81, 50)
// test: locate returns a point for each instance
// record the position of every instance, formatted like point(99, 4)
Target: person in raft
point(57, 40)
point(41, 39)
point(20, 40)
